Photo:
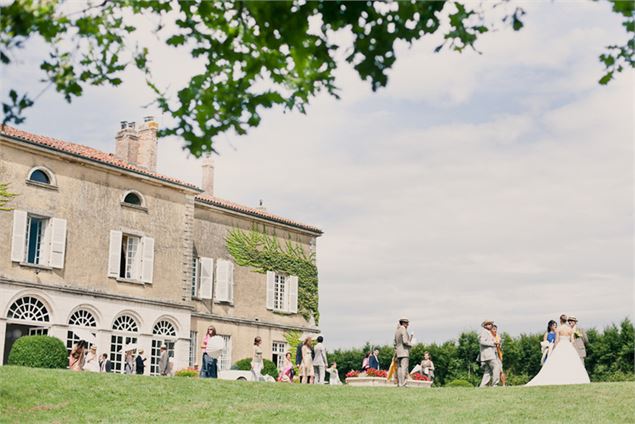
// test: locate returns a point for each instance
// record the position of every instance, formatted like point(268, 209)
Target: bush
point(268, 369)
point(459, 383)
point(186, 372)
point(39, 352)
point(517, 379)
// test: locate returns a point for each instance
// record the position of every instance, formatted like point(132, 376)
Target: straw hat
point(487, 321)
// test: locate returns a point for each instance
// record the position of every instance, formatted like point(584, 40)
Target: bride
point(564, 365)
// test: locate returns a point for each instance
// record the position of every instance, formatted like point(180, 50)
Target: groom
point(489, 361)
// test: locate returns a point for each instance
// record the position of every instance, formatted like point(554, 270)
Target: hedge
point(39, 352)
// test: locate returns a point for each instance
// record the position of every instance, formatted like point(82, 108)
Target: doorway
point(14, 332)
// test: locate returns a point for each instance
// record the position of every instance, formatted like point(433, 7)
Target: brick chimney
point(138, 146)
point(208, 174)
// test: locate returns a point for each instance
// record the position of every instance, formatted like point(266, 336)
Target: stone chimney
point(208, 174)
point(138, 146)
point(261, 206)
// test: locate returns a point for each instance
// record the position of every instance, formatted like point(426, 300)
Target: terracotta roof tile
point(226, 204)
point(88, 153)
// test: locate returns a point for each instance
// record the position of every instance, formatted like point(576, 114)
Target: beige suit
point(402, 352)
point(489, 360)
point(579, 342)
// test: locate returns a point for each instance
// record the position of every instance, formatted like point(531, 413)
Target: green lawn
point(35, 395)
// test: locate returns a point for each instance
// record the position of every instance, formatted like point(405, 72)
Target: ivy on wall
point(264, 253)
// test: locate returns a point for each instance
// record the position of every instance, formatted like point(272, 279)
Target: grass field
point(35, 395)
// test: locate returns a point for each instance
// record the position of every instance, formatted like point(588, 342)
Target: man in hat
point(164, 360)
point(403, 344)
point(488, 357)
point(580, 340)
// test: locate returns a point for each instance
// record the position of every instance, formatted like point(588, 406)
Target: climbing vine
point(264, 253)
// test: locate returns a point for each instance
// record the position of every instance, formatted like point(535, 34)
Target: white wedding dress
point(563, 366)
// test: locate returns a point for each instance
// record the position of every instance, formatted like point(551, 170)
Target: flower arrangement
point(371, 372)
point(187, 372)
point(420, 377)
point(352, 373)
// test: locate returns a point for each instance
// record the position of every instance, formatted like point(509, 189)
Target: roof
point(87, 153)
point(259, 213)
point(111, 160)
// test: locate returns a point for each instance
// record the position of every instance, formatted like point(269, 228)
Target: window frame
point(51, 185)
point(142, 206)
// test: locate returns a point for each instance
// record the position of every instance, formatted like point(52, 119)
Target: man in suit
point(319, 361)
point(373, 360)
point(402, 351)
point(488, 357)
point(581, 340)
point(164, 360)
point(140, 362)
point(105, 365)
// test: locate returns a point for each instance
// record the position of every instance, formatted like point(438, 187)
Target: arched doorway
point(125, 332)
point(81, 324)
point(162, 333)
point(26, 316)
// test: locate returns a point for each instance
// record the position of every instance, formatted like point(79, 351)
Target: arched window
point(132, 199)
point(163, 334)
point(122, 327)
point(40, 176)
point(80, 318)
point(28, 308)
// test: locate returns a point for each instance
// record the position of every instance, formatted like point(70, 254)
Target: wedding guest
point(140, 362)
point(319, 361)
point(499, 354)
point(129, 363)
point(170, 370)
point(402, 343)
point(548, 341)
point(210, 364)
point(373, 360)
point(286, 373)
point(105, 365)
point(306, 366)
point(334, 376)
point(580, 338)
point(487, 355)
point(366, 362)
point(76, 358)
point(563, 320)
point(164, 360)
point(92, 361)
point(427, 366)
point(256, 360)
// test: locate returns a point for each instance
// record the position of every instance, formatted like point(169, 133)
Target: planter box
point(382, 382)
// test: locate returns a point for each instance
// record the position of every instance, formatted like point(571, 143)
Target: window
point(39, 176)
point(38, 240)
point(80, 318)
point(278, 349)
point(282, 292)
point(195, 274)
point(163, 333)
point(225, 360)
point(224, 287)
point(38, 331)
point(132, 199)
point(28, 308)
point(123, 328)
point(193, 347)
point(131, 257)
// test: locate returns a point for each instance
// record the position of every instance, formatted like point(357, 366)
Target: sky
point(474, 186)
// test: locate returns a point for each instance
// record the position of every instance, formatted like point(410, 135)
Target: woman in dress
point(92, 361)
point(256, 360)
point(76, 358)
point(306, 366)
point(427, 366)
point(209, 364)
point(366, 362)
point(128, 366)
point(564, 365)
point(334, 375)
point(548, 341)
point(286, 373)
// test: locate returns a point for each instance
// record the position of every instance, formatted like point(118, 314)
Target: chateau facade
point(100, 246)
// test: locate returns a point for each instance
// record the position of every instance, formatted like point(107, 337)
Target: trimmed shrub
point(39, 352)
point(268, 369)
point(459, 383)
point(186, 372)
point(517, 379)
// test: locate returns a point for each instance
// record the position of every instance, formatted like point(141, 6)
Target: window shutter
point(230, 281)
point(58, 242)
point(271, 283)
point(147, 260)
point(221, 292)
point(292, 289)
point(18, 242)
point(207, 273)
point(114, 253)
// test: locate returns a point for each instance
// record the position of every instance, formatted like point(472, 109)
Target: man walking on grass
point(403, 343)
point(488, 357)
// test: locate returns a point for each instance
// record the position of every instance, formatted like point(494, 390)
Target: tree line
point(610, 356)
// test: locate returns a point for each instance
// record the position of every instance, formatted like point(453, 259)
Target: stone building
point(101, 246)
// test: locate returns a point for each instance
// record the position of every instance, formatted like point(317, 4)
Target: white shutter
point(58, 242)
point(207, 272)
point(147, 260)
point(221, 292)
point(114, 253)
point(292, 289)
point(271, 284)
point(230, 281)
point(18, 242)
point(45, 242)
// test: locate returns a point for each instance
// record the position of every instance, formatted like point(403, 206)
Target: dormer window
point(132, 199)
point(40, 176)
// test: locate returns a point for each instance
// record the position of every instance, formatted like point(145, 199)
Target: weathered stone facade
point(131, 262)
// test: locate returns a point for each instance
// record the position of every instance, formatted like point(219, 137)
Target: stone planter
point(363, 381)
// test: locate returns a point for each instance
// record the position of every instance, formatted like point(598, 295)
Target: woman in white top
point(256, 360)
point(92, 361)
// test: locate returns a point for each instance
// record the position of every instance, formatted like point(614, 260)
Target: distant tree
point(5, 197)
point(256, 54)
